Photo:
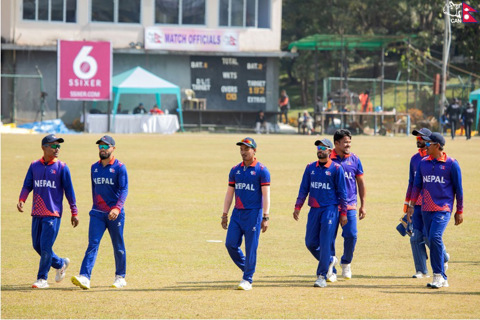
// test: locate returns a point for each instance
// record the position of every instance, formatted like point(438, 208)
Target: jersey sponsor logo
point(96, 170)
point(313, 172)
point(245, 186)
point(348, 175)
point(433, 179)
point(53, 171)
point(45, 183)
point(320, 185)
point(102, 180)
point(328, 173)
point(253, 173)
point(238, 172)
point(112, 170)
point(442, 167)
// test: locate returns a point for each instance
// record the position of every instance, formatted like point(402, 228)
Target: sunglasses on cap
point(322, 148)
point(53, 146)
point(428, 144)
point(104, 146)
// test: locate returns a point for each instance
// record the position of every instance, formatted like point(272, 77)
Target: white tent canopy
point(140, 81)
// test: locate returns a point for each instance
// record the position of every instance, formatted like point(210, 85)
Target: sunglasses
point(104, 146)
point(428, 144)
point(53, 146)
point(323, 148)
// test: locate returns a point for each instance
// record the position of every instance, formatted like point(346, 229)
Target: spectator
point(306, 123)
point(468, 119)
point(453, 112)
point(444, 122)
point(140, 109)
point(156, 110)
point(284, 105)
point(261, 123)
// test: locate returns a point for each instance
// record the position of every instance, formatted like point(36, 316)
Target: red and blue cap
point(51, 138)
point(435, 137)
point(327, 143)
point(107, 139)
point(422, 132)
point(249, 142)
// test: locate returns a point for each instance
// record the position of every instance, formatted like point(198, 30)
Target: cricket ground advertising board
point(84, 70)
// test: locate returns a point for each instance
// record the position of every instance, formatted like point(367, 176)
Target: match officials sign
point(84, 70)
point(177, 39)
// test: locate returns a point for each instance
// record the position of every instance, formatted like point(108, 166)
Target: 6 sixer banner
point(84, 70)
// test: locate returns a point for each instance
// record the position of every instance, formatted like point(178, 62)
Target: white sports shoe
point(81, 281)
point(420, 275)
point(320, 283)
point(61, 272)
point(438, 282)
point(346, 271)
point(332, 278)
point(244, 285)
point(40, 284)
point(330, 267)
point(119, 282)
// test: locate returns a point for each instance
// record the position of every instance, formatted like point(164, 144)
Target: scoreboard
point(232, 83)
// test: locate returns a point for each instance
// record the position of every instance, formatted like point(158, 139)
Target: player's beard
point(104, 155)
point(322, 155)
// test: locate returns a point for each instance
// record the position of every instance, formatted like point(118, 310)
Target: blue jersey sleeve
point(304, 189)
point(69, 192)
point(341, 190)
point(457, 185)
point(231, 177)
point(264, 177)
point(359, 170)
point(417, 184)
point(27, 185)
point(122, 187)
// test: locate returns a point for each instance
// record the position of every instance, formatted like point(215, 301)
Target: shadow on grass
point(28, 287)
point(440, 291)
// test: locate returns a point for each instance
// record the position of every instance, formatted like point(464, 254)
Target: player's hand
point(74, 221)
point(362, 213)
point(409, 214)
point(224, 222)
point(343, 220)
point(296, 214)
point(264, 225)
point(20, 206)
point(113, 214)
point(458, 218)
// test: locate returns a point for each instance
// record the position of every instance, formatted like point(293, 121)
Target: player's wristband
point(224, 217)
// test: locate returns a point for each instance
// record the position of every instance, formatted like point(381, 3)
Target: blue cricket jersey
point(109, 185)
point(440, 180)
point(248, 183)
point(414, 162)
point(48, 181)
point(352, 166)
point(325, 185)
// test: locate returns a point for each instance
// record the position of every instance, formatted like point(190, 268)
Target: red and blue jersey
point(48, 181)
point(109, 185)
point(325, 185)
point(440, 180)
point(414, 162)
point(248, 183)
point(352, 166)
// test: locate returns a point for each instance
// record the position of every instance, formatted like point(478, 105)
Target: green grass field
point(177, 186)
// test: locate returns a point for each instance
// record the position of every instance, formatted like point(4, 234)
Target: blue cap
point(435, 137)
point(107, 139)
point(51, 138)
point(422, 132)
point(249, 142)
point(327, 143)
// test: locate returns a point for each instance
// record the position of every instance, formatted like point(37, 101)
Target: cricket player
point(353, 169)
point(324, 182)
point(109, 190)
point(49, 178)
point(249, 182)
point(439, 180)
point(418, 240)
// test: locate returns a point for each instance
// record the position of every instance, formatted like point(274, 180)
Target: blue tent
point(475, 95)
point(140, 81)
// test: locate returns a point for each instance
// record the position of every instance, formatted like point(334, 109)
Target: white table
point(133, 123)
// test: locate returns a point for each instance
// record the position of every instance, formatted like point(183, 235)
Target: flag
point(466, 14)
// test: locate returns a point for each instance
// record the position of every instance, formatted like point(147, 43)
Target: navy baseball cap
point(51, 138)
point(422, 132)
point(249, 142)
point(327, 143)
point(107, 139)
point(435, 137)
